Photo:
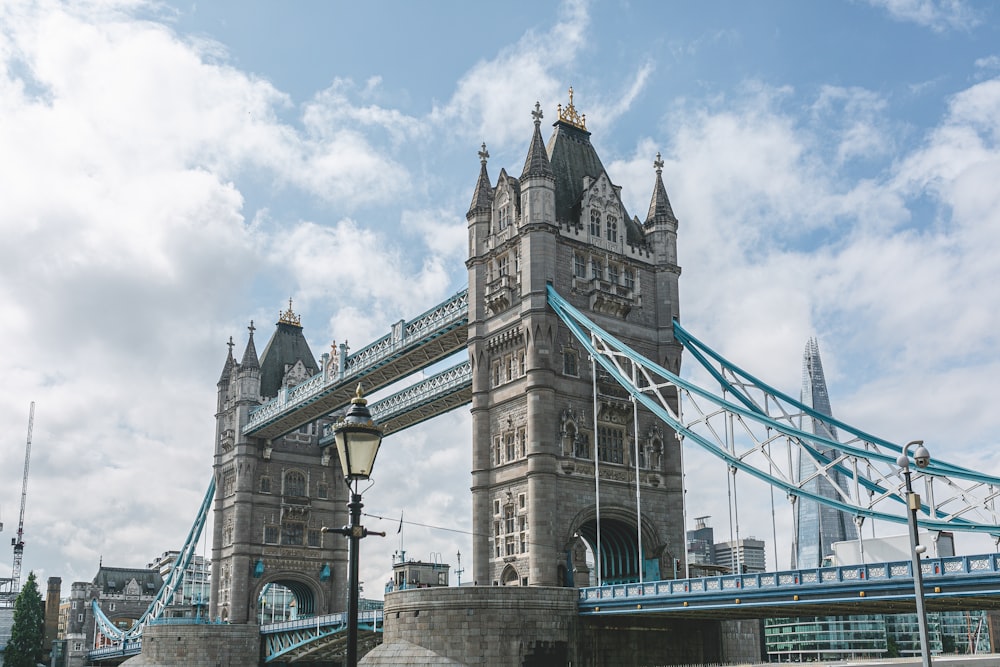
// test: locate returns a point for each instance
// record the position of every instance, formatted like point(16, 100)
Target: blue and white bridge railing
point(759, 431)
point(289, 640)
point(956, 583)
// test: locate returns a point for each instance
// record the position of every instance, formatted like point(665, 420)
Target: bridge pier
point(514, 626)
point(198, 645)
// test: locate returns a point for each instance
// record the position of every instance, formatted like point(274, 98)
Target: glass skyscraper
point(817, 527)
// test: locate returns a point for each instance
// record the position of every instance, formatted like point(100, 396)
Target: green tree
point(24, 649)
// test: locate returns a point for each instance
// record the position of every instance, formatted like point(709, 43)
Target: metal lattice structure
point(758, 430)
point(171, 584)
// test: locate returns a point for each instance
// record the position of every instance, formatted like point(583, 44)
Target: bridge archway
point(307, 596)
point(618, 546)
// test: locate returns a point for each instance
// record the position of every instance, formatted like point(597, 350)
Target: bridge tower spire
point(535, 432)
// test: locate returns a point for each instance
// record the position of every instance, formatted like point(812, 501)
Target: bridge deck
point(950, 584)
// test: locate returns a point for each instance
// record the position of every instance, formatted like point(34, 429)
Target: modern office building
point(744, 555)
point(191, 598)
point(817, 526)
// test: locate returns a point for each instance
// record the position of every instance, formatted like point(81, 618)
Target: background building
point(191, 598)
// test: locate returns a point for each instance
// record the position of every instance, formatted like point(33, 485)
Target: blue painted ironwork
point(409, 347)
point(296, 639)
point(119, 636)
point(956, 577)
point(751, 431)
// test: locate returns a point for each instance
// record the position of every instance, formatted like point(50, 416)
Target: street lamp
point(922, 458)
point(358, 439)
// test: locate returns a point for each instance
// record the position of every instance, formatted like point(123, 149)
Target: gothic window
point(509, 442)
point(596, 269)
point(595, 223)
point(265, 484)
point(292, 533)
point(496, 458)
point(581, 446)
point(270, 534)
point(228, 484)
point(522, 449)
point(496, 507)
point(579, 266)
point(295, 484)
point(612, 274)
point(503, 267)
point(521, 505)
point(496, 529)
point(504, 217)
point(508, 519)
point(313, 538)
point(520, 363)
point(510, 367)
point(496, 373)
point(612, 228)
point(510, 546)
point(569, 363)
point(611, 444)
point(322, 491)
point(629, 279)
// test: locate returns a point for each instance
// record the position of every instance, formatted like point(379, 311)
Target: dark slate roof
point(572, 157)
point(114, 579)
point(287, 345)
point(482, 198)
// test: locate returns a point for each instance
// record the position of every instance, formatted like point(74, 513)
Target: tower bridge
point(571, 326)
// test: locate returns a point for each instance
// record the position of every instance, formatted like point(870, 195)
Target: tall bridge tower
point(538, 430)
point(273, 495)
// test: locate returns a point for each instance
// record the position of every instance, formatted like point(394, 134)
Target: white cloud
point(938, 15)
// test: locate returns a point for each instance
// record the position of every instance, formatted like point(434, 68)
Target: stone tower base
point(198, 645)
point(498, 626)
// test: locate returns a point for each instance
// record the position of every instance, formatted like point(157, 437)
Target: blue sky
point(170, 171)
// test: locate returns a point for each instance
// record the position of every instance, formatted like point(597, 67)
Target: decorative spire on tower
point(482, 198)
point(227, 368)
point(660, 210)
point(537, 163)
point(570, 115)
point(290, 318)
point(250, 353)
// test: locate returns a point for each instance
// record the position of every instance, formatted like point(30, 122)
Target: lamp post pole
point(358, 440)
point(922, 458)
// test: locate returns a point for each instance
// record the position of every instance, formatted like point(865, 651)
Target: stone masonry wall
point(198, 645)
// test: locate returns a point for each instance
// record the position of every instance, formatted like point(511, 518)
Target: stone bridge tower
point(273, 496)
point(562, 222)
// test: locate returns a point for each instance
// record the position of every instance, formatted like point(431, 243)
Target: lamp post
point(358, 439)
point(922, 458)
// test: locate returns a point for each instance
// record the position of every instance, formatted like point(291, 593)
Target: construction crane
point(13, 586)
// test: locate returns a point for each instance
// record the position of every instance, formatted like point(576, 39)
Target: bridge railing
point(369, 616)
point(804, 578)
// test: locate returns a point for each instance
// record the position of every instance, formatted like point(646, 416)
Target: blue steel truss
point(119, 636)
point(294, 640)
point(758, 430)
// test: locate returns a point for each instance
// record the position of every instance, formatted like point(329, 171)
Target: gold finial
point(359, 398)
point(288, 317)
point(570, 115)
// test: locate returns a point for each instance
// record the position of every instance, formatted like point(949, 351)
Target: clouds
point(156, 196)
point(938, 15)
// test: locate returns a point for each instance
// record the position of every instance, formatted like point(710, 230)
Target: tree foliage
point(27, 635)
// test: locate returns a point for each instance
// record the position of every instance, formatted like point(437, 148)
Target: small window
point(579, 266)
point(520, 363)
point(521, 501)
point(612, 228)
point(79, 618)
point(295, 484)
point(496, 507)
point(613, 274)
point(569, 363)
point(270, 534)
point(74, 604)
point(265, 485)
point(292, 533)
point(595, 223)
point(509, 442)
point(111, 606)
point(313, 538)
point(629, 279)
point(596, 269)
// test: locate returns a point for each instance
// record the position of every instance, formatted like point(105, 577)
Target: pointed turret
point(660, 211)
point(227, 368)
point(537, 164)
point(250, 353)
point(482, 198)
point(287, 359)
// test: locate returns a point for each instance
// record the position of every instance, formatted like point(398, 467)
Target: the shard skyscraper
point(817, 526)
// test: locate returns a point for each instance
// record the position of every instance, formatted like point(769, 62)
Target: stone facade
point(198, 645)
point(480, 625)
point(273, 497)
point(563, 223)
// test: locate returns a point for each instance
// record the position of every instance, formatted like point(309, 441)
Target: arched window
point(595, 223)
point(509, 577)
point(612, 228)
point(295, 484)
